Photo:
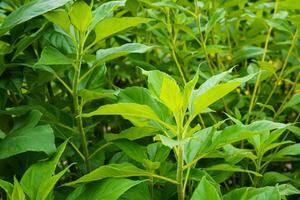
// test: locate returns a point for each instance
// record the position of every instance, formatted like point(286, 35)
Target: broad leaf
point(109, 189)
point(103, 11)
point(206, 190)
point(20, 140)
point(80, 15)
point(249, 193)
point(117, 171)
point(104, 55)
point(59, 17)
point(111, 26)
point(126, 110)
point(29, 11)
point(38, 179)
point(51, 56)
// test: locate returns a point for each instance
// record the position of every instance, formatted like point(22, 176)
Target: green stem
point(180, 173)
point(282, 70)
point(77, 107)
point(257, 83)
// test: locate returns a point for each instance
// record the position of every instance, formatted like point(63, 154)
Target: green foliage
point(139, 99)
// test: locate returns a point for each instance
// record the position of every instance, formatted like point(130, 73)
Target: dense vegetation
point(146, 99)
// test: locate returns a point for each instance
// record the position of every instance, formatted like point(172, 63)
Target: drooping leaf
point(104, 55)
point(20, 140)
point(117, 171)
point(29, 11)
point(291, 150)
point(126, 110)
point(7, 187)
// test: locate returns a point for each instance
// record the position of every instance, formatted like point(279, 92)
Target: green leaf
point(117, 171)
point(249, 193)
point(230, 168)
point(216, 18)
point(59, 17)
point(47, 186)
point(287, 189)
point(166, 89)
point(239, 132)
point(91, 95)
point(272, 178)
point(7, 187)
point(211, 91)
point(291, 150)
point(104, 55)
point(2, 134)
point(103, 11)
point(143, 96)
point(188, 90)
point(109, 189)
point(17, 193)
point(213, 95)
point(21, 140)
point(247, 52)
point(51, 56)
point(80, 15)
point(126, 110)
point(29, 11)
point(295, 100)
point(132, 133)
point(111, 26)
point(28, 40)
point(206, 190)
point(38, 179)
point(133, 150)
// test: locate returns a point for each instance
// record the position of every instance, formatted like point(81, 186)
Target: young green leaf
point(80, 15)
point(17, 193)
point(61, 18)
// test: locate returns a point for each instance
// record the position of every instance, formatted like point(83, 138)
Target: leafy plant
point(140, 99)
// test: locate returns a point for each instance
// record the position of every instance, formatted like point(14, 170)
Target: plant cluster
point(147, 99)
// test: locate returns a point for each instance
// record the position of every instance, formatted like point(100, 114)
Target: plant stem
point(257, 83)
point(77, 107)
point(180, 173)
